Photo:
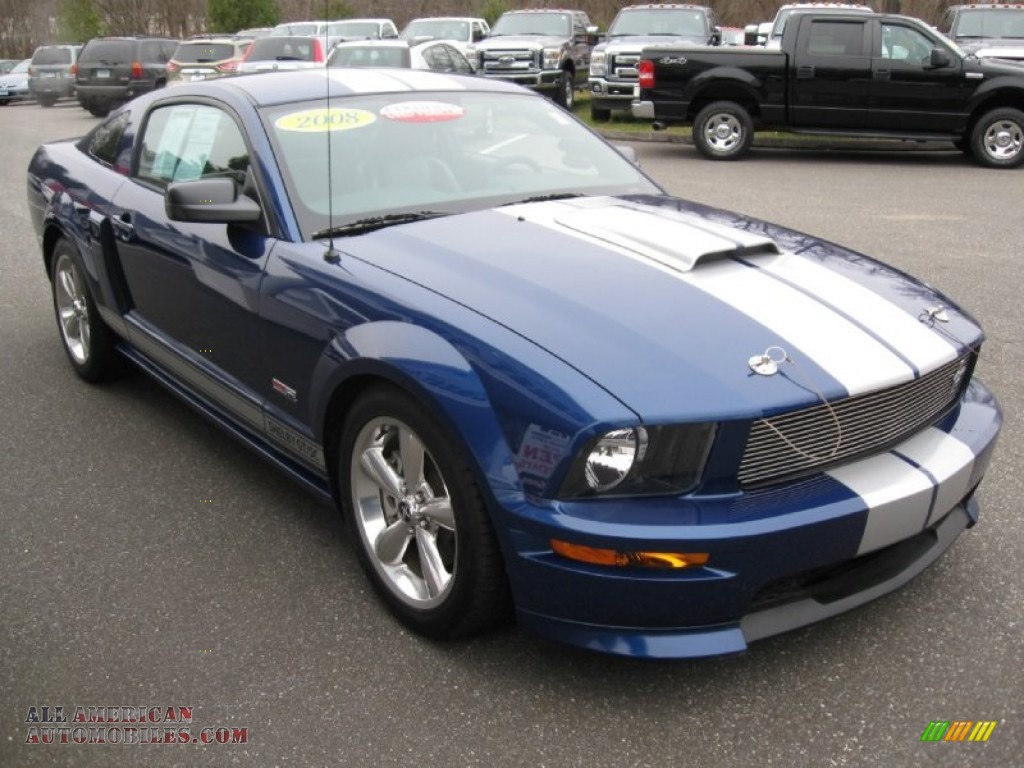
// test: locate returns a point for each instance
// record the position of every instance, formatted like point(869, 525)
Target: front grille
point(623, 66)
point(801, 442)
point(509, 61)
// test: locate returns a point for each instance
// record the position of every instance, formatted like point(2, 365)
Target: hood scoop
point(674, 240)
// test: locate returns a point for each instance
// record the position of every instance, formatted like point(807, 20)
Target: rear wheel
point(4, 102)
point(600, 115)
point(997, 139)
point(46, 101)
point(418, 520)
point(87, 340)
point(98, 108)
point(723, 130)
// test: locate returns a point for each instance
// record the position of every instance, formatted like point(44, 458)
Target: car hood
point(520, 41)
point(637, 42)
point(664, 303)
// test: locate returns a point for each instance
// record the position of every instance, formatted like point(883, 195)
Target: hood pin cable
point(767, 364)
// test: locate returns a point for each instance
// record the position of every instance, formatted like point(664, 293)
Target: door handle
point(123, 227)
point(805, 72)
point(883, 74)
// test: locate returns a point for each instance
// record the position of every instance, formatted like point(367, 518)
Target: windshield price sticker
point(322, 120)
point(422, 112)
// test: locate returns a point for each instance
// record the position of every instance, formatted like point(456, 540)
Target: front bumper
point(546, 80)
point(780, 557)
point(606, 94)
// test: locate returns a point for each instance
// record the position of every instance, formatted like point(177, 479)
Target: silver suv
point(51, 73)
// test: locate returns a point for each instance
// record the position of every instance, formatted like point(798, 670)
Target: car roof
point(272, 88)
point(388, 43)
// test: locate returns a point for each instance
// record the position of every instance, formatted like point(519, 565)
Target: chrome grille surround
point(869, 423)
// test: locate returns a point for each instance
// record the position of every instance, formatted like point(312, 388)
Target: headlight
point(552, 57)
point(597, 64)
point(640, 461)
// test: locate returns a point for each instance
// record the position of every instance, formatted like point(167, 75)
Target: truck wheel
point(565, 96)
point(997, 139)
point(723, 131)
point(600, 115)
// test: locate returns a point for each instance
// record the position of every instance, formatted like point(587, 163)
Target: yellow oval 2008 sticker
point(321, 120)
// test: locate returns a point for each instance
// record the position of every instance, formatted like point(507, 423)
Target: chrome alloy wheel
point(404, 512)
point(723, 132)
point(72, 309)
point(1004, 140)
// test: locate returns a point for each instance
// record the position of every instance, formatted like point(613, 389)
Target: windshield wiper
point(545, 198)
point(371, 223)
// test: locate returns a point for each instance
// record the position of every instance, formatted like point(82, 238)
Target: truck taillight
point(646, 73)
point(136, 69)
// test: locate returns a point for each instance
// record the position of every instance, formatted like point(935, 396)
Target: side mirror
point(716, 36)
point(210, 201)
point(593, 36)
point(750, 34)
point(939, 58)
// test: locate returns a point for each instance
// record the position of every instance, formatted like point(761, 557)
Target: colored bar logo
point(959, 730)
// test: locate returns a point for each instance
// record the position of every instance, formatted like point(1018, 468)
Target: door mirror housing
point(210, 201)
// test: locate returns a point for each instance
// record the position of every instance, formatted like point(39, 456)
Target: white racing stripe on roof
point(359, 80)
point(924, 348)
point(855, 358)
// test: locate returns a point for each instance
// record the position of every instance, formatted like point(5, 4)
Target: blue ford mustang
point(528, 377)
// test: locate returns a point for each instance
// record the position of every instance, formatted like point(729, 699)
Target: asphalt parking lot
point(148, 561)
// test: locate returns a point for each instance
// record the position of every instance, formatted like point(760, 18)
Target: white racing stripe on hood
point(852, 356)
point(924, 348)
point(903, 499)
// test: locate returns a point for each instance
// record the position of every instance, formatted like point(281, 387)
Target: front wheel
point(997, 139)
point(723, 130)
point(418, 520)
point(46, 101)
point(87, 340)
point(565, 96)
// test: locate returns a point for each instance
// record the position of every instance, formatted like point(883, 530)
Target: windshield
point(660, 21)
point(553, 24)
point(283, 49)
point(440, 29)
point(354, 29)
point(990, 23)
point(369, 56)
point(449, 152)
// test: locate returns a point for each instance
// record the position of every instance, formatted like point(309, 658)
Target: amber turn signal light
point(597, 556)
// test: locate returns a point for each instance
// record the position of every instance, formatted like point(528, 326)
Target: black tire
point(4, 102)
point(997, 138)
point(444, 522)
point(88, 341)
point(46, 101)
point(723, 130)
point(565, 96)
point(600, 115)
point(99, 109)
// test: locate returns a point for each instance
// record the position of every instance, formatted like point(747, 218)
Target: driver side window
point(183, 142)
point(901, 43)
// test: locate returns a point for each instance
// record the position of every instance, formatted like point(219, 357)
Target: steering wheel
point(507, 163)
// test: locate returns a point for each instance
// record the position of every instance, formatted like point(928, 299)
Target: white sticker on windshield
point(422, 112)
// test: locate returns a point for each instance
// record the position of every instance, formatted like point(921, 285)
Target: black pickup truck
point(870, 75)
